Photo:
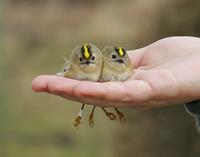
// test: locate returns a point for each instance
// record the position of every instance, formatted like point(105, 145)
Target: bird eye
point(114, 56)
point(93, 58)
point(80, 59)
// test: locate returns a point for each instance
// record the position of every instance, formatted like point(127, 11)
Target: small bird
point(85, 63)
point(117, 66)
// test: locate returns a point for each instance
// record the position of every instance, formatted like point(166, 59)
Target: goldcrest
point(117, 66)
point(85, 64)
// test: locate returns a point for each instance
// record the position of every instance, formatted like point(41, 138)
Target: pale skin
point(167, 72)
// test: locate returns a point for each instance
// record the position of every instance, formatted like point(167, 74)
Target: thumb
point(136, 56)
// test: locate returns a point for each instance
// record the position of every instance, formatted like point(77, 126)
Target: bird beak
point(87, 62)
point(120, 61)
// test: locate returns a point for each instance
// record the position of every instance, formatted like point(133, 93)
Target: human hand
point(166, 72)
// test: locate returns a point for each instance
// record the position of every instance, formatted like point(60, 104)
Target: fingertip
point(39, 83)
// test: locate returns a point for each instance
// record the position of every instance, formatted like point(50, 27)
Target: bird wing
point(67, 64)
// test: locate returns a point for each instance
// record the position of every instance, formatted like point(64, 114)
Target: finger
point(128, 92)
point(39, 83)
point(54, 84)
point(132, 91)
point(134, 105)
point(136, 56)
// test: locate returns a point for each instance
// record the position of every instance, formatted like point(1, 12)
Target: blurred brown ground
point(40, 33)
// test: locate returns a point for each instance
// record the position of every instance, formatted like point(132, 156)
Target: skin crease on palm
point(167, 72)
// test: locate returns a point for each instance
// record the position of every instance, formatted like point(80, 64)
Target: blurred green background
point(36, 35)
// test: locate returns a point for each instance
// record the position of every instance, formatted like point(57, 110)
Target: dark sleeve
point(193, 108)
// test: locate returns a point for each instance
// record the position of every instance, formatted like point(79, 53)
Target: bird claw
point(121, 117)
point(77, 122)
point(111, 115)
point(91, 121)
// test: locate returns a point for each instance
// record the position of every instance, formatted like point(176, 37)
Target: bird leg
point(120, 116)
point(91, 121)
point(111, 115)
point(78, 118)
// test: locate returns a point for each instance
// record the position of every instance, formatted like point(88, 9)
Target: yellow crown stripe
point(121, 52)
point(86, 51)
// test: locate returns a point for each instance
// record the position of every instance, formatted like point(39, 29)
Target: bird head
point(115, 55)
point(87, 57)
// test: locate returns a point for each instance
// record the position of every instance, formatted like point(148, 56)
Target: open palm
point(166, 72)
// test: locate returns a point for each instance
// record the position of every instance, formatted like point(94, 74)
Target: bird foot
point(91, 121)
point(111, 115)
point(77, 122)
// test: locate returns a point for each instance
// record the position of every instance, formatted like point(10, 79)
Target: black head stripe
point(121, 51)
